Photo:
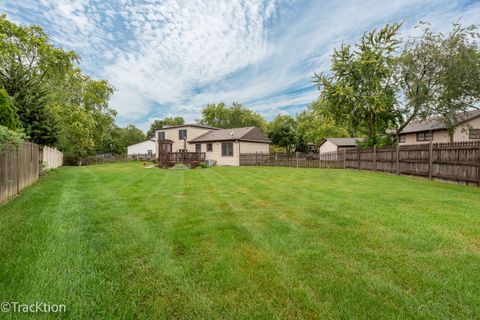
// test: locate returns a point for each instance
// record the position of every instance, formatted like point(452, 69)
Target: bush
point(10, 138)
point(8, 112)
point(203, 165)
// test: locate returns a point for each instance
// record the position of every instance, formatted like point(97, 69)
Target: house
point(435, 130)
point(223, 146)
point(338, 144)
point(147, 147)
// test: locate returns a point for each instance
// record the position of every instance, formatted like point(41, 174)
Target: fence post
point(374, 158)
point(397, 164)
point(358, 158)
point(345, 159)
point(276, 159)
point(18, 168)
point(319, 163)
point(296, 157)
point(478, 167)
point(430, 160)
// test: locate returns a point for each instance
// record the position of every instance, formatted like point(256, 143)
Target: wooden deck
point(191, 159)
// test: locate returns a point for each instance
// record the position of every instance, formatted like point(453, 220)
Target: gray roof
point(436, 123)
point(243, 134)
point(196, 125)
point(344, 142)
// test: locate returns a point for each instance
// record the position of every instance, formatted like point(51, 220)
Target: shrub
point(8, 112)
point(10, 138)
point(203, 165)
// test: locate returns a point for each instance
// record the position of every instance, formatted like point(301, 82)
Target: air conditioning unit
point(210, 162)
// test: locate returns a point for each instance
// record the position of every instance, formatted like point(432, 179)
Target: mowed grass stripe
point(121, 241)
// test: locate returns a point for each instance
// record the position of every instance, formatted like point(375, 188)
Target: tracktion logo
point(37, 307)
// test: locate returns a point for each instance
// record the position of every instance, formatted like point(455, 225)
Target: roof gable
point(437, 123)
point(245, 134)
point(343, 142)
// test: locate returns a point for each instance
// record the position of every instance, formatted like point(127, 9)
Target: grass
point(121, 241)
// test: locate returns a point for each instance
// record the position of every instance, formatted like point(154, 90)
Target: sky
point(172, 57)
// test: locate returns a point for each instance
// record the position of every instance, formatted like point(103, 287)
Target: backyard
point(123, 241)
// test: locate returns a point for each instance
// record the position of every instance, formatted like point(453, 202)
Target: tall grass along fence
point(20, 168)
point(458, 162)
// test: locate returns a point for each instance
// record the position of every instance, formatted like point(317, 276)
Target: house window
point(149, 152)
point(182, 134)
point(209, 147)
point(424, 136)
point(198, 147)
point(401, 138)
point(474, 134)
point(161, 136)
point(227, 149)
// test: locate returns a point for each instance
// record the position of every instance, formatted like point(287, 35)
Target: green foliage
point(158, 124)
point(8, 112)
point(439, 75)
point(27, 62)
point(131, 135)
point(203, 165)
point(314, 125)
point(56, 103)
point(236, 116)
point(282, 132)
point(360, 93)
point(10, 138)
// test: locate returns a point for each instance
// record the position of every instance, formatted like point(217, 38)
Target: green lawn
point(122, 241)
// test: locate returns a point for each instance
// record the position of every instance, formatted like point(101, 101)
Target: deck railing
point(171, 158)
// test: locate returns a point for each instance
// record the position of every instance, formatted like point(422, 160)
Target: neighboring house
point(148, 147)
point(434, 129)
point(338, 144)
point(221, 145)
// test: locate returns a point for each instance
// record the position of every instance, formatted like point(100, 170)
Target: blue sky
point(172, 57)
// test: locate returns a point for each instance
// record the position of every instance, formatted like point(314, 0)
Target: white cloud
point(172, 57)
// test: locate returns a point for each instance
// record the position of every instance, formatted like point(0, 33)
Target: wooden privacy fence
point(52, 158)
point(459, 162)
point(20, 168)
point(297, 160)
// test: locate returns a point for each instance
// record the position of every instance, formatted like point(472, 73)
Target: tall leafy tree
point(360, 92)
point(158, 124)
point(221, 116)
point(313, 125)
point(439, 75)
point(282, 130)
point(27, 60)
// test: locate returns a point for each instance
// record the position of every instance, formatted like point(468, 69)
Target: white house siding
point(254, 147)
point(192, 133)
point(216, 154)
point(328, 146)
point(460, 134)
point(142, 147)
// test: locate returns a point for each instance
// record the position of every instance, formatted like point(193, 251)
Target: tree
point(282, 132)
point(236, 116)
point(131, 135)
point(8, 112)
point(27, 60)
point(158, 124)
point(313, 125)
point(439, 75)
point(360, 92)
